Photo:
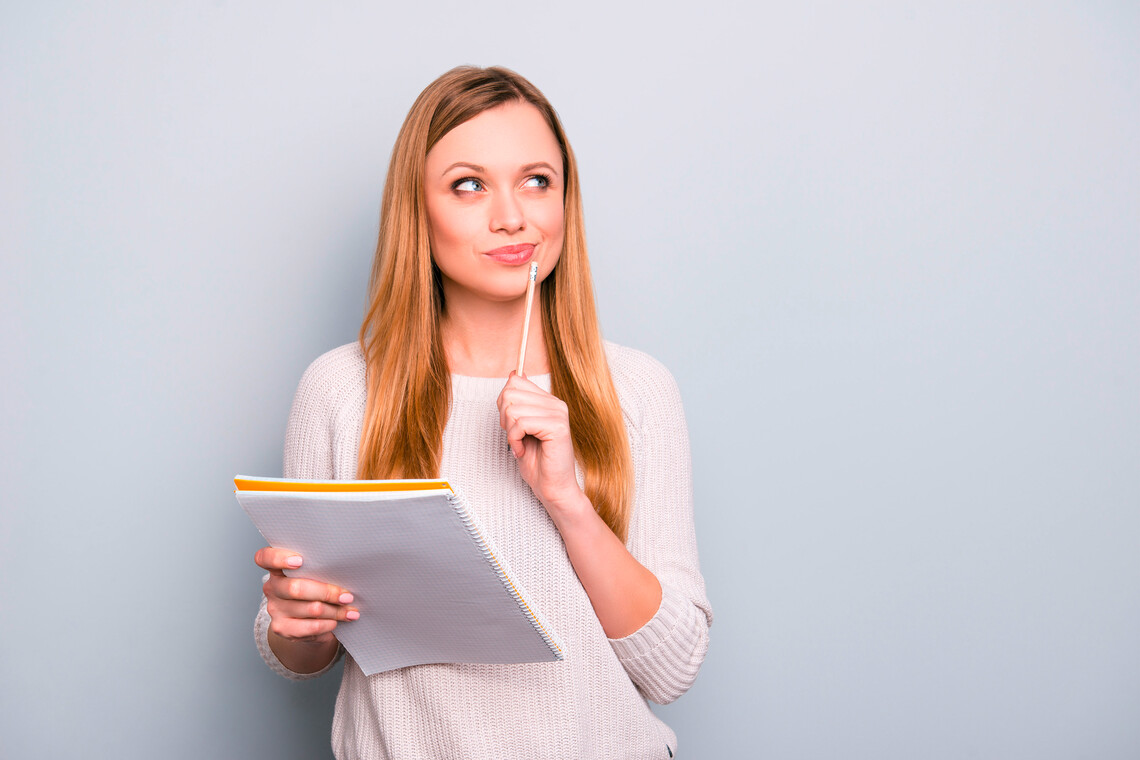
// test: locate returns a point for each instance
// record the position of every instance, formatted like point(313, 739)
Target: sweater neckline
point(483, 388)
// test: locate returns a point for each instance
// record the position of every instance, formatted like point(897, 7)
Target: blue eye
point(538, 180)
point(467, 185)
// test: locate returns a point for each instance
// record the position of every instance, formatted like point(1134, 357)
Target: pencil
point(526, 319)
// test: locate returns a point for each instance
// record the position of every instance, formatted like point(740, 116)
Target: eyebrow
point(540, 165)
point(482, 170)
point(461, 164)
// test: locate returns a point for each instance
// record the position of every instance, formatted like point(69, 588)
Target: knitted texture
point(592, 704)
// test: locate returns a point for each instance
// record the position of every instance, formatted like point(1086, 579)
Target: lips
point(512, 255)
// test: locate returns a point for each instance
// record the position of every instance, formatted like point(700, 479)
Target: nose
point(507, 213)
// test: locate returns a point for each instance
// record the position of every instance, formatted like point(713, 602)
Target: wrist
point(304, 656)
point(570, 509)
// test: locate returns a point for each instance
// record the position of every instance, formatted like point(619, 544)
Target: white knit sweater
point(592, 704)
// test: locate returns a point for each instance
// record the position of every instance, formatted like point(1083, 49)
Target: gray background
point(891, 254)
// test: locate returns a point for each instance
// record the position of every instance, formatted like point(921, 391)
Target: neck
point(481, 338)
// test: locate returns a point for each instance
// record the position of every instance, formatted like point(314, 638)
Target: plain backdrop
point(891, 252)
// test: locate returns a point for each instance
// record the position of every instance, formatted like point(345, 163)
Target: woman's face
point(493, 188)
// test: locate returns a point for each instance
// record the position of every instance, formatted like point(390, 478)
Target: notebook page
point(425, 591)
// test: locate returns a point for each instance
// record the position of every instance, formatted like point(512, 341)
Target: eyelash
point(544, 177)
point(456, 184)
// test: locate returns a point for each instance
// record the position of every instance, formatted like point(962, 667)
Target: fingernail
point(345, 598)
point(294, 561)
point(352, 615)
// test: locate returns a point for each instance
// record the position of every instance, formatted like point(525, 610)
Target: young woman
point(578, 469)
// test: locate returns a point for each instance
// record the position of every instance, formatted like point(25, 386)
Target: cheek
point(448, 228)
point(553, 226)
point(550, 218)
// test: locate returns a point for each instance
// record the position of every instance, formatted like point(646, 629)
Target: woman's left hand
point(538, 431)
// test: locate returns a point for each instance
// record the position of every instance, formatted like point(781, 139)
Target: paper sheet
point(425, 591)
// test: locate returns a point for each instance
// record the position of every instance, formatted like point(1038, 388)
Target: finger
point(306, 590)
point(515, 405)
point(521, 422)
point(521, 389)
point(272, 558)
point(516, 387)
point(507, 398)
point(515, 380)
point(514, 438)
point(519, 431)
point(314, 610)
point(526, 407)
point(544, 427)
point(301, 628)
point(534, 414)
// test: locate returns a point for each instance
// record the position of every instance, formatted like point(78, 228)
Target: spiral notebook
point(429, 586)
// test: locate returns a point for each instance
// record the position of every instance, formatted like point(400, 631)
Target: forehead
point(504, 137)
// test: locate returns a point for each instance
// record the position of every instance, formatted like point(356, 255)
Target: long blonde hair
point(409, 383)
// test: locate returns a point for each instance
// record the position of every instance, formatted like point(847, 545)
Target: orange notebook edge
point(246, 483)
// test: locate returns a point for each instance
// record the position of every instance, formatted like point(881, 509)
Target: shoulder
point(644, 386)
point(323, 432)
point(334, 369)
point(332, 384)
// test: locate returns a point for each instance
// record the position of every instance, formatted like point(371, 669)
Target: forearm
point(624, 593)
point(302, 656)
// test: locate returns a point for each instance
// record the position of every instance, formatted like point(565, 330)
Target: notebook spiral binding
point(472, 527)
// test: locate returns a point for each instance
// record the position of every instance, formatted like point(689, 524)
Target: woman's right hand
point(301, 609)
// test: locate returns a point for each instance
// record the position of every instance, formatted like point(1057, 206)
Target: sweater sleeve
point(663, 656)
point(310, 441)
